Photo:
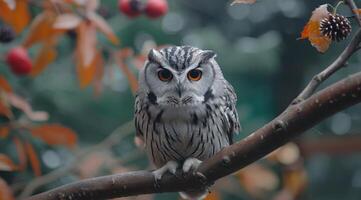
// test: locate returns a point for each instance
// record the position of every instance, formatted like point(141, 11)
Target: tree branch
point(292, 122)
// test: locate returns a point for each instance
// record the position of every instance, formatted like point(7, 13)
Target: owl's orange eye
point(165, 75)
point(194, 75)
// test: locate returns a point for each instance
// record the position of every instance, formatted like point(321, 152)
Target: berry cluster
point(336, 27)
point(152, 8)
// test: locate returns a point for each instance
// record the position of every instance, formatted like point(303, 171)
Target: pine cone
point(336, 27)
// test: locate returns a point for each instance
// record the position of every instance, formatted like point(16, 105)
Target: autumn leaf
point(20, 103)
point(212, 196)
point(99, 73)
point(55, 134)
point(67, 21)
point(256, 179)
point(5, 191)
point(18, 18)
point(103, 26)
point(20, 150)
point(86, 53)
point(11, 4)
point(4, 85)
point(86, 45)
point(286, 155)
point(312, 29)
point(33, 159)
point(46, 55)
point(6, 164)
point(5, 110)
point(357, 11)
point(4, 131)
point(295, 180)
point(243, 2)
point(41, 29)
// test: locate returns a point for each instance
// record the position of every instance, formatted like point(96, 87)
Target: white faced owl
point(184, 109)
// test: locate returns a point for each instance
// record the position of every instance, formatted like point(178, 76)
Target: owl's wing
point(139, 115)
point(233, 126)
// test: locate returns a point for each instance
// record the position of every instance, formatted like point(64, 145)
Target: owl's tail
point(194, 195)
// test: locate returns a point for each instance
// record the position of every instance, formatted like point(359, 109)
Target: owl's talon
point(171, 167)
point(191, 164)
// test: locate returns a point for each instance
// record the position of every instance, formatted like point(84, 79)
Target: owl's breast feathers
point(209, 128)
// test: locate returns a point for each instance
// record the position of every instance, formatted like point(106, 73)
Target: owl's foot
point(191, 165)
point(171, 167)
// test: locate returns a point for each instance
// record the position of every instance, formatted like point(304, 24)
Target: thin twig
point(114, 138)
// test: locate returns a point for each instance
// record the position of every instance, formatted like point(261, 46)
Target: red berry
point(156, 8)
point(19, 61)
point(131, 8)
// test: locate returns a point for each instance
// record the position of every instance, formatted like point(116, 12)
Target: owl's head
point(180, 76)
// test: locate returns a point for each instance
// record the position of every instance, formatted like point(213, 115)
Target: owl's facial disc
point(179, 77)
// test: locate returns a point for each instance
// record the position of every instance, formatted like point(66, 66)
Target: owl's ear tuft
point(207, 55)
point(154, 56)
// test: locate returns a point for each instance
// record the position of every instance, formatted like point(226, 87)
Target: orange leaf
point(256, 179)
point(46, 56)
point(119, 59)
point(98, 80)
point(55, 134)
point(312, 29)
point(18, 18)
point(104, 27)
point(357, 11)
point(11, 4)
point(67, 21)
point(33, 158)
point(212, 196)
point(23, 105)
point(5, 110)
point(86, 73)
point(295, 181)
point(5, 191)
point(20, 149)
point(4, 85)
point(4, 132)
point(86, 53)
point(6, 164)
point(42, 29)
point(86, 45)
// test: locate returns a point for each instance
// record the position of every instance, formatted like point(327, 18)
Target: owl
point(184, 110)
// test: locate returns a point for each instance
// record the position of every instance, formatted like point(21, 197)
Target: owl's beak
point(179, 90)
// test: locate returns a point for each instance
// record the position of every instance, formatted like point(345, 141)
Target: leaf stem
point(336, 7)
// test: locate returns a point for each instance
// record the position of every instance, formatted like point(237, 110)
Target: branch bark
point(291, 123)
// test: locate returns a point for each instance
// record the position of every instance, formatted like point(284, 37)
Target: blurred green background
point(259, 54)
